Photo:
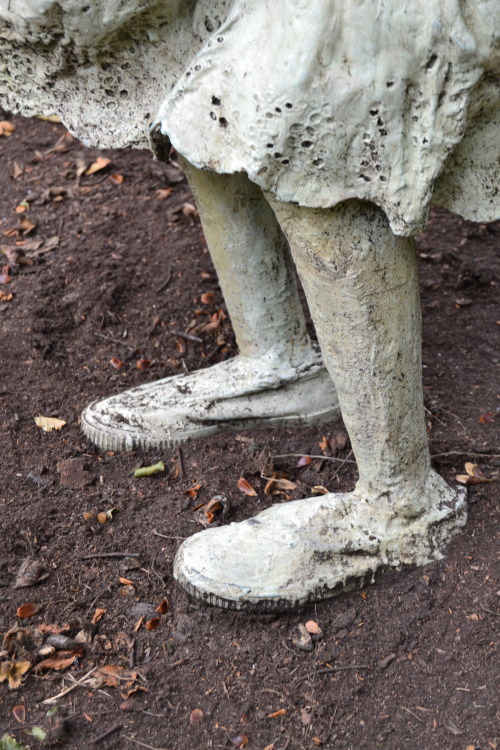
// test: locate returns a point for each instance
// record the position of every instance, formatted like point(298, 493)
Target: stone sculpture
point(335, 125)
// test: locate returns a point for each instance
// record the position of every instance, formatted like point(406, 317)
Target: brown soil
point(128, 269)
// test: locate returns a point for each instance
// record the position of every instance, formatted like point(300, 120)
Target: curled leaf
point(153, 623)
point(19, 713)
point(474, 475)
point(147, 471)
point(192, 492)
point(55, 662)
point(98, 615)
point(116, 363)
point(13, 672)
point(163, 607)
point(49, 423)
point(100, 163)
point(27, 610)
point(246, 487)
point(276, 714)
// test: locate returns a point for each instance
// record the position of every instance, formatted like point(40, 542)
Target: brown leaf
point(4, 297)
point(31, 572)
point(240, 740)
point(163, 193)
point(487, 417)
point(116, 363)
point(246, 487)
point(208, 298)
point(163, 607)
point(13, 671)
point(19, 713)
point(55, 662)
point(26, 226)
point(318, 489)
point(27, 610)
point(323, 444)
point(275, 714)
point(153, 623)
point(100, 163)
point(474, 475)
point(304, 461)
point(54, 629)
point(192, 492)
point(102, 518)
point(143, 364)
point(112, 675)
point(98, 615)
point(6, 127)
point(126, 581)
point(189, 211)
point(196, 716)
point(17, 171)
point(116, 179)
point(278, 483)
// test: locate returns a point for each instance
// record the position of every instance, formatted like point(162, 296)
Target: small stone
point(346, 619)
point(304, 642)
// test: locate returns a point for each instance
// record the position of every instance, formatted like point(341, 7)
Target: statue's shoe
point(303, 551)
point(238, 394)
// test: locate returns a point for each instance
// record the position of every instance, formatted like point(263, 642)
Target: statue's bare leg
point(278, 379)
point(362, 287)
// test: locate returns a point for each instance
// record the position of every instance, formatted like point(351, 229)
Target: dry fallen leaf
point(208, 298)
point(100, 163)
point(49, 423)
point(31, 572)
point(112, 675)
point(19, 713)
point(474, 475)
point(153, 623)
point(116, 179)
point(487, 417)
point(6, 297)
point(278, 484)
point(163, 193)
point(13, 671)
point(304, 461)
point(189, 211)
point(240, 740)
point(6, 127)
point(98, 615)
point(246, 487)
point(55, 662)
point(196, 716)
point(143, 364)
point(275, 714)
point(192, 492)
point(116, 363)
point(163, 607)
point(27, 610)
point(318, 489)
point(102, 518)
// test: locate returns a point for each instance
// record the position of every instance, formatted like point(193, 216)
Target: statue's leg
point(278, 379)
point(361, 283)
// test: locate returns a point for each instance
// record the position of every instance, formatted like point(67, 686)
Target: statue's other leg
point(361, 283)
point(277, 379)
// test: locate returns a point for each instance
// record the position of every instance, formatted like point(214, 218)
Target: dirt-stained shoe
point(303, 551)
point(237, 394)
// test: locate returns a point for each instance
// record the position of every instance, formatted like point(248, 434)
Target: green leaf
point(51, 711)
point(9, 743)
point(146, 471)
point(39, 733)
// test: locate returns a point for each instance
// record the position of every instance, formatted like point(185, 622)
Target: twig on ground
point(107, 733)
point(142, 744)
point(115, 341)
point(331, 670)
point(67, 690)
point(167, 280)
point(309, 455)
point(340, 467)
point(109, 554)
point(465, 453)
point(413, 714)
point(164, 536)
point(490, 611)
point(187, 336)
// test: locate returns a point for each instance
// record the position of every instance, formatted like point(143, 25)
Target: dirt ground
point(102, 271)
